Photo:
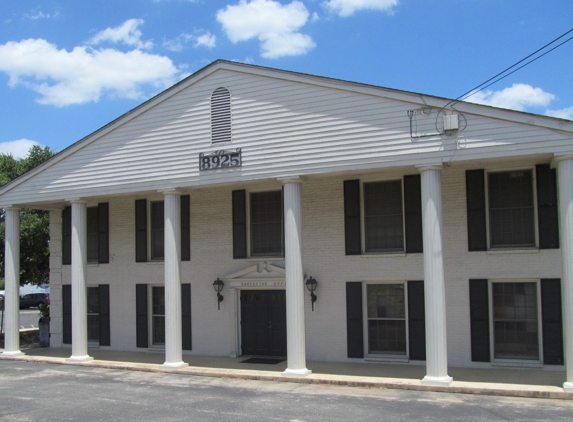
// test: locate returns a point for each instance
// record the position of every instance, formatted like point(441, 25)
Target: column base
point(296, 373)
point(568, 387)
point(6, 354)
point(173, 365)
point(75, 359)
point(444, 381)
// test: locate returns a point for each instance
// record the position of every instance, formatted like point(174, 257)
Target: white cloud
point(206, 39)
point(18, 148)
point(83, 74)
point(275, 25)
point(348, 7)
point(565, 113)
point(127, 33)
point(41, 15)
point(516, 97)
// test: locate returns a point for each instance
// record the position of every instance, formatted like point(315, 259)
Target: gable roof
point(413, 100)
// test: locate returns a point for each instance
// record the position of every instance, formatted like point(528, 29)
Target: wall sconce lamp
point(218, 286)
point(311, 284)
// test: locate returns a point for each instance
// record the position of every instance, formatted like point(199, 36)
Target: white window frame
point(363, 217)
point(535, 218)
point(515, 362)
point(384, 356)
point(250, 226)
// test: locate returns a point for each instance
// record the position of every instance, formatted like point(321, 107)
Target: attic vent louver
point(221, 115)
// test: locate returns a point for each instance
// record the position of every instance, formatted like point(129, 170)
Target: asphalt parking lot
point(28, 318)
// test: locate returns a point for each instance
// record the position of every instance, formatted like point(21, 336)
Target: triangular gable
point(280, 115)
point(264, 275)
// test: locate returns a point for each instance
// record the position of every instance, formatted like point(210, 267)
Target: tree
point(34, 224)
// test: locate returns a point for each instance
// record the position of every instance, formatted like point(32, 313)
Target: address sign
point(220, 159)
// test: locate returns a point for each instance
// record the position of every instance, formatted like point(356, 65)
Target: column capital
point(426, 167)
point(77, 201)
point(562, 157)
point(12, 207)
point(170, 191)
point(292, 179)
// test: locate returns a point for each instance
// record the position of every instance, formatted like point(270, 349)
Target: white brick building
point(433, 228)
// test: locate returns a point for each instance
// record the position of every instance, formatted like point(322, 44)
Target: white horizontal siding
point(283, 127)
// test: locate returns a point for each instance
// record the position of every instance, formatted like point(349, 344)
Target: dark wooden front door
point(263, 322)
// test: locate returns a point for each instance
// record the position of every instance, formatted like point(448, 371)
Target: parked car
point(33, 299)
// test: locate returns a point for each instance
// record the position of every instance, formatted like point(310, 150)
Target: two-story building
point(432, 232)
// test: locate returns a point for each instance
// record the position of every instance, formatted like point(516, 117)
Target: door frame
point(259, 276)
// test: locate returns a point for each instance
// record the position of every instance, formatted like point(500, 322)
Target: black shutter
point(141, 315)
point(185, 229)
point(104, 326)
point(239, 224)
point(552, 322)
point(141, 230)
point(352, 235)
point(103, 233)
point(67, 314)
point(413, 213)
point(547, 207)
point(186, 315)
point(416, 320)
point(354, 333)
point(67, 236)
point(475, 197)
point(479, 320)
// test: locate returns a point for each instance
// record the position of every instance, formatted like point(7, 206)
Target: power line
point(493, 79)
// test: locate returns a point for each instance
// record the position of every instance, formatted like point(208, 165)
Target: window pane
point(158, 314)
point(387, 323)
point(266, 223)
point(387, 336)
point(383, 216)
point(511, 211)
point(93, 300)
point(386, 301)
point(515, 321)
point(93, 327)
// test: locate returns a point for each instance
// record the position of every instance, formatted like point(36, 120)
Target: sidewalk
point(499, 382)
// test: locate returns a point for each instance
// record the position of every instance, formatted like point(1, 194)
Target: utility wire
point(481, 86)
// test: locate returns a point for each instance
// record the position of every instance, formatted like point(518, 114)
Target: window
point(267, 234)
point(386, 315)
point(515, 320)
point(158, 315)
point(97, 234)
point(221, 115)
point(93, 312)
point(511, 209)
point(157, 230)
point(156, 223)
point(383, 218)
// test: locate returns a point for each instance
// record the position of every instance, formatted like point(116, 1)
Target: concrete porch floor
point(491, 381)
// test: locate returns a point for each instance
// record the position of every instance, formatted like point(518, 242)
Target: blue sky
point(69, 67)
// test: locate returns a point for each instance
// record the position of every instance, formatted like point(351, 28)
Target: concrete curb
point(461, 387)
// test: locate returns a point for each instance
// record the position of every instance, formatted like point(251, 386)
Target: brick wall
point(213, 331)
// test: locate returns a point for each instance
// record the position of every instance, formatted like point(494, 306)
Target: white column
point(434, 289)
point(296, 352)
point(79, 283)
point(12, 284)
point(565, 178)
point(173, 333)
